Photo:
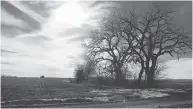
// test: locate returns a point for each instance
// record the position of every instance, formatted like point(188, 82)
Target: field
point(41, 92)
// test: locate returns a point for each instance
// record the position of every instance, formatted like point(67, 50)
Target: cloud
point(28, 11)
point(2, 50)
point(73, 18)
point(19, 14)
point(9, 19)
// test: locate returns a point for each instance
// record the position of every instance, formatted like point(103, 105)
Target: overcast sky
point(43, 38)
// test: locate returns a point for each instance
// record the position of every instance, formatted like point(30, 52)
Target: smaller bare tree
point(79, 74)
point(159, 70)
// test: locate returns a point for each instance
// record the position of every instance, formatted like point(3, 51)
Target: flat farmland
point(47, 92)
point(36, 88)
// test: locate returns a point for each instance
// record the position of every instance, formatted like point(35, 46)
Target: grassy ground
point(30, 90)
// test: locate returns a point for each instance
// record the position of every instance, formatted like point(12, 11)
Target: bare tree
point(108, 44)
point(156, 35)
point(159, 69)
point(88, 67)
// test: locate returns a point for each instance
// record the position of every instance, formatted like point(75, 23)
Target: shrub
point(103, 81)
point(42, 76)
point(79, 74)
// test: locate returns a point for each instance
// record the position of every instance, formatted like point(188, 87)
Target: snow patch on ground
point(124, 90)
point(169, 90)
point(55, 99)
point(131, 93)
point(101, 91)
point(104, 99)
point(151, 94)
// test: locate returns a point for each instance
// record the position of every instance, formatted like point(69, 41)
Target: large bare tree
point(108, 44)
point(156, 36)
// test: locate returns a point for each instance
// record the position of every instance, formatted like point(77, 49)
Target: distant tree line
point(10, 76)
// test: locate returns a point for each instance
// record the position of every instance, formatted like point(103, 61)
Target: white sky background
point(181, 69)
point(49, 51)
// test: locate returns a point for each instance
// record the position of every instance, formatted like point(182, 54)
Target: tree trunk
point(119, 78)
point(140, 75)
point(112, 74)
point(150, 73)
point(141, 71)
point(150, 79)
